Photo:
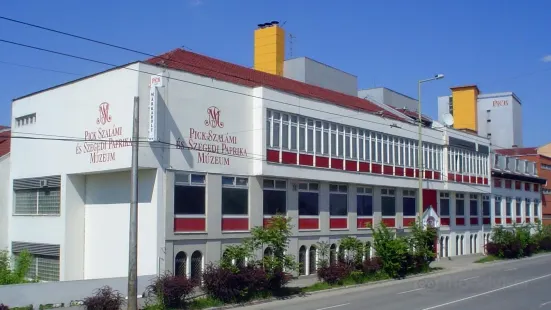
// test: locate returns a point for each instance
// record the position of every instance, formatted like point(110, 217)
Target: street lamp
point(420, 146)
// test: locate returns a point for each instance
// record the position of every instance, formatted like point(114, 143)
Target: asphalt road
point(514, 285)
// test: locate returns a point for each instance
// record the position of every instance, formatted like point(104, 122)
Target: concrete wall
point(504, 114)
point(389, 97)
point(4, 207)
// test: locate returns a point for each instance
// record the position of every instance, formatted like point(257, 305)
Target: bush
point(372, 265)
point(236, 286)
point(18, 273)
point(171, 290)
point(334, 274)
point(278, 279)
point(4, 307)
point(392, 250)
point(104, 298)
point(545, 244)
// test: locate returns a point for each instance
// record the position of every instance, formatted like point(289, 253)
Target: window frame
point(274, 188)
point(237, 186)
point(190, 183)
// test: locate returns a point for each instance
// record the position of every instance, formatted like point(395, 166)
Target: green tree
point(17, 274)
point(392, 250)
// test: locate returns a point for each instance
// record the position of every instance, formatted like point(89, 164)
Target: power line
point(39, 68)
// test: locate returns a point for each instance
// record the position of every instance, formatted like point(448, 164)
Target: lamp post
point(420, 145)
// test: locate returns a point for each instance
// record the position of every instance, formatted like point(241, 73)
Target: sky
point(498, 45)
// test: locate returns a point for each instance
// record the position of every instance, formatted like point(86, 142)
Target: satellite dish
point(447, 119)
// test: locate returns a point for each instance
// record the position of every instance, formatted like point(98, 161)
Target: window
point(527, 207)
point(508, 208)
point(308, 199)
point(474, 205)
point(37, 201)
point(497, 182)
point(45, 260)
point(409, 203)
point(364, 200)
point(546, 167)
point(388, 202)
point(235, 196)
point(189, 194)
point(536, 208)
point(518, 207)
point(444, 204)
point(275, 197)
point(485, 205)
point(497, 206)
point(338, 200)
point(459, 205)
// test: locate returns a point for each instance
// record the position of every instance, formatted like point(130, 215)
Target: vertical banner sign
point(156, 81)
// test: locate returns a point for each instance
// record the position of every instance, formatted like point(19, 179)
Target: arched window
point(196, 266)
point(462, 244)
point(333, 254)
point(447, 244)
point(302, 261)
point(457, 240)
point(313, 259)
point(475, 243)
point(180, 264)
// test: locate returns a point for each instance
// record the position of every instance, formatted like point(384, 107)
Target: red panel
point(272, 156)
point(362, 223)
point(406, 222)
point(466, 178)
point(399, 171)
point(364, 167)
point(338, 223)
point(336, 163)
point(526, 186)
point(472, 179)
point(485, 181)
point(498, 220)
point(479, 180)
point(437, 175)
point(451, 177)
point(376, 168)
point(428, 174)
point(486, 221)
point(536, 187)
point(322, 162)
point(351, 165)
point(189, 224)
point(266, 222)
point(410, 172)
point(517, 184)
point(389, 222)
point(417, 172)
point(388, 170)
point(289, 158)
point(445, 221)
point(235, 224)
point(497, 182)
point(508, 220)
point(430, 198)
point(519, 220)
point(528, 220)
point(508, 184)
point(458, 178)
point(474, 220)
point(460, 221)
point(306, 159)
point(308, 223)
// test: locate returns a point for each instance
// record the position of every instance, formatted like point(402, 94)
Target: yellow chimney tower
point(269, 48)
point(465, 107)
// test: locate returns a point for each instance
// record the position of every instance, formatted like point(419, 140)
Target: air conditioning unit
point(43, 183)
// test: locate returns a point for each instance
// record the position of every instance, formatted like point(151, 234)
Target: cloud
point(196, 2)
point(546, 58)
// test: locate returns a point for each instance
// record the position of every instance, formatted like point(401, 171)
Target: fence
point(65, 292)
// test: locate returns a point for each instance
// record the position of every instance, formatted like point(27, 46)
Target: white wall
point(107, 224)
point(4, 193)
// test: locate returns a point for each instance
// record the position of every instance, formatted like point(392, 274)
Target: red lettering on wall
point(500, 103)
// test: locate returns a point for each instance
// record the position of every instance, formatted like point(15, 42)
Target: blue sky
point(499, 45)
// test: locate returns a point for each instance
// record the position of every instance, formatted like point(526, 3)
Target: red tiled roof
point(224, 71)
point(415, 115)
point(518, 151)
point(5, 142)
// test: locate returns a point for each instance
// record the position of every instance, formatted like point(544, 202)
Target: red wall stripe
point(399, 171)
point(308, 223)
point(406, 222)
point(430, 198)
point(410, 172)
point(306, 159)
point(235, 224)
point(338, 223)
point(509, 220)
point(289, 158)
point(272, 156)
point(389, 222)
point(322, 162)
point(351, 165)
point(486, 221)
point(519, 220)
point(189, 224)
point(472, 179)
point(460, 221)
point(388, 170)
point(364, 167)
point(337, 163)
point(474, 220)
point(362, 223)
point(376, 168)
point(445, 221)
point(498, 220)
point(437, 175)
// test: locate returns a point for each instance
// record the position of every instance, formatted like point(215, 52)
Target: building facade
point(497, 116)
point(4, 185)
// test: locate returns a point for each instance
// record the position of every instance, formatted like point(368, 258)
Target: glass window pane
point(308, 203)
point(444, 207)
point(235, 201)
point(388, 205)
point(365, 205)
point(338, 205)
point(189, 200)
point(275, 202)
point(409, 206)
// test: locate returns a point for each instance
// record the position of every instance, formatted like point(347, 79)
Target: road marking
point(545, 303)
point(417, 289)
point(486, 293)
point(510, 269)
point(334, 306)
point(470, 278)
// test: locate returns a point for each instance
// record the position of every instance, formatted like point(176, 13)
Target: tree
point(17, 274)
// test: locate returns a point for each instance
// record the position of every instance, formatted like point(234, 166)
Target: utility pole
point(133, 235)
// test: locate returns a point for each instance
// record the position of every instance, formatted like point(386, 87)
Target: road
point(521, 284)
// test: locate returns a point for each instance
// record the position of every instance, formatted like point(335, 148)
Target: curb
point(381, 283)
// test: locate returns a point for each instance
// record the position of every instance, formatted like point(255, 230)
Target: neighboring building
point(496, 116)
point(389, 97)
point(4, 185)
point(230, 147)
point(541, 157)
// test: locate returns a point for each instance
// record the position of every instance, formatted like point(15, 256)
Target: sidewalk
point(451, 263)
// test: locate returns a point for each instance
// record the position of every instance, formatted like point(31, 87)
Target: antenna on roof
point(291, 41)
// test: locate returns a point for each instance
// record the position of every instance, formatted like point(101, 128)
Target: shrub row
point(519, 241)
